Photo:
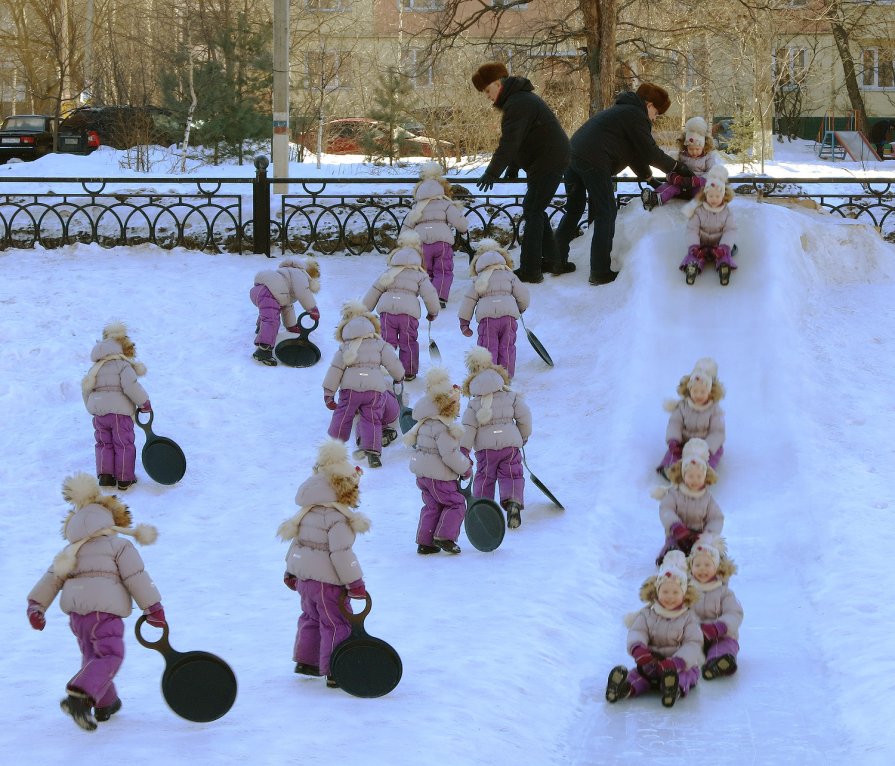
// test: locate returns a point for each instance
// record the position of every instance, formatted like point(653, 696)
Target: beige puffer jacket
point(364, 371)
point(323, 536)
point(509, 424)
point(718, 603)
point(694, 509)
point(679, 636)
point(116, 388)
point(289, 283)
point(689, 421)
point(437, 449)
point(503, 295)
point(434, 214)
point(402, 295)
point(711, 226)
point(108, 572)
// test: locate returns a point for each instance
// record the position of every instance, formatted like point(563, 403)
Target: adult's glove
point(155, 616)
point(511, 173)
point(684, 183)
point(682, 170)
point(329, 401)
point(486, 182)
point(145, 407)
point(314, 313)
point(465, 328)
point(357, 589)
point(290, 580)
point(36, 616)
point(713, 630)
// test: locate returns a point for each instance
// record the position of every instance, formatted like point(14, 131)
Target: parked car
point(26, 137)
point(354, 135)
point(121, 127)
point(722, 133)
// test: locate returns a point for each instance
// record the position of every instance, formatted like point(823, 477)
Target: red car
point(354, 135)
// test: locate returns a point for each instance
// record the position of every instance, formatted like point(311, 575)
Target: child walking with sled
point(111, 393)
point(664, 638)
point(435, 216)
point(498, 298)
point(696, 151)
point(719, 612)
point(696, 413)
point(274, 293)
point(320, 564)
point(356, 373)
point(711, 229)
point(688, 508)
point(497, 424)
point(396, 296)
point(437, 461)
point(99, 574)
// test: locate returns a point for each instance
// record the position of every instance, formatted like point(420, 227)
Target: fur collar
point(359, 522)
point(707, 587)
point(699, 407)
point(694, 493)
point(669, 613)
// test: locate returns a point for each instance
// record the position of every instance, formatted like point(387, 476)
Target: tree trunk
point(840, 35)
point(600, 20)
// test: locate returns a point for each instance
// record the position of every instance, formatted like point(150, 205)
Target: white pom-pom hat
point(673, 566)
point(695, 132)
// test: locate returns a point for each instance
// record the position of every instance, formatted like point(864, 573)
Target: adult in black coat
point(879, 135)
point(613, 139)
point(532, 139)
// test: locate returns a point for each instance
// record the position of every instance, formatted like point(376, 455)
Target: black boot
point(562, 268)
point(264, 354)
point(106, 712)
point(425, 550)
point(448, 546)
point(373, 459)
point(691, 272)
point(669, 686)
point(77, 705)
point(650, 199)
point(602, 278)
point(618, 687)
point(304, 669)
point(530, 278)
point(724, 274)
point(514, 514)
point(106, 480)
point(725, 665)
point(123, 485)
point(388, 436)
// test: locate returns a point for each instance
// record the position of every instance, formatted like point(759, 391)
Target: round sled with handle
point(483, 523)
point(536, 344)
point(540, 485)
point(434, 352)
point(364, 666)
point(299, 352)
point(162, 457)
point(198, 686)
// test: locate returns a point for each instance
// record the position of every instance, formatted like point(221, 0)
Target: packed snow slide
point(856, 145)
point(768, 488)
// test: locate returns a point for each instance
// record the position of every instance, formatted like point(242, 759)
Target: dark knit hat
point(488, 73)
point(657, 96)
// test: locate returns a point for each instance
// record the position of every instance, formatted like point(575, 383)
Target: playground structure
point(833, 144)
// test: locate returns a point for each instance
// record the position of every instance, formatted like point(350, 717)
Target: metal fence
point(353, 215)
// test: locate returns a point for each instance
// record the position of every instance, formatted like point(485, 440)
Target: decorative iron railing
point(353, 215)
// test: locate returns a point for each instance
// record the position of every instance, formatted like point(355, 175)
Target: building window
point(790, 66)
point(326, 70)
point(421, 5)
point(877, 69)
point(324, 5)
point(417, 70)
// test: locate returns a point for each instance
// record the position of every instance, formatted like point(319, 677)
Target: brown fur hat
point(444, 395)
point(655, 95)
point(343, 477)
point(488, 73)
point(117, 331)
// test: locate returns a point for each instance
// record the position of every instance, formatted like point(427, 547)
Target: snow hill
point(505, 654)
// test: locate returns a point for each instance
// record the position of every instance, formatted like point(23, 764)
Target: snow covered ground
point(505, 654)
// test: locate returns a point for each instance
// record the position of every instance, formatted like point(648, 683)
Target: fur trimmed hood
point(483, 374)
point(352, 311)
point(310, 265)
point(649, 596)
point(489, 253)
point(116, 331)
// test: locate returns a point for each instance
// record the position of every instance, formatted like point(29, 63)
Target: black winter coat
point(620, 137)
point(531, 137)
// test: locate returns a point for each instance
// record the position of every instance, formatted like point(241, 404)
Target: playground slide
point(856, 145)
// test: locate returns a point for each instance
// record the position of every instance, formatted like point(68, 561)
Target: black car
point(121, 127)
point(26, 137)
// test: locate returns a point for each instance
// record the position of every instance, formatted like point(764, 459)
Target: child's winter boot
point(264, 354)
point(373, 459)
point(692, 265)
point(304, 669)
point(106, 480)
point(669, 684)
point(425, 550)
point(388, 436)
point(650, 199)
point(331, 682)
point(724, 263)
point(725, 665)
point(77, 705)
point(618, 687)
point(107, 711)
point(448, 546)
point(123, 485)
point(514, 514)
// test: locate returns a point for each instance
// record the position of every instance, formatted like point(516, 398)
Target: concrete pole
point(280, 140)
point(87, 91)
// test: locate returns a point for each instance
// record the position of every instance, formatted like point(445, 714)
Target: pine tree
point(390, 105)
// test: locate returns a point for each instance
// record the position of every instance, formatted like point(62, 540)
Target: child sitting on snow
point(696, 151)
point(664, 638)
point(111, 392)
point(497, 424)
point(711, 229)
point(356, 373)
point(320, 564)
point(274, 293)
point(720, 613)
point(688, 509)
point(99, 574)
point(434, 217)
point(697, 413)
point(498, 298)
point(396, 296)
point(437, 462)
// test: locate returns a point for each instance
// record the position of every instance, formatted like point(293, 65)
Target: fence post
point(261, 207)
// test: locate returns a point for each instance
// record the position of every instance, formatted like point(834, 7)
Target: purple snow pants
point(391, 410)
point(724, 645)
point(114, 449)
point(370, 406)
point(642, 682)
point(443, 510)
point(401, 331)
point(438, 259)
point(499, 466)
point(321, 626)
point(101, 641)
point(268, 315)
point(498, 335)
